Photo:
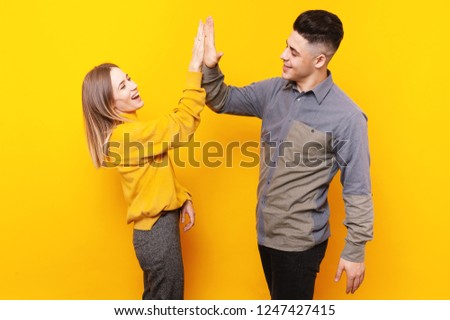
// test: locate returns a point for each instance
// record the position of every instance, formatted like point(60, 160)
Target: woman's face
point(125, 91)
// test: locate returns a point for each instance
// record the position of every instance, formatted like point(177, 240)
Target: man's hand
point(188, 209)
point(212, 57)
point(355, 274)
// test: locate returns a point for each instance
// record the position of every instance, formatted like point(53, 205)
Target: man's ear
point(320, 61)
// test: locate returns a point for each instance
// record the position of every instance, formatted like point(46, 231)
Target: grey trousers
point(159, 254)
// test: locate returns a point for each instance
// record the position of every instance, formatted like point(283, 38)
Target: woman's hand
point(198, 50)
point(188, 209)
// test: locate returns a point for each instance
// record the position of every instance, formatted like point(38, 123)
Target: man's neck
point(312, 81)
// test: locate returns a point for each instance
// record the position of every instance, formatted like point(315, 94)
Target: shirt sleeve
point(245, 101)
point(352, 154)
point(137, 141)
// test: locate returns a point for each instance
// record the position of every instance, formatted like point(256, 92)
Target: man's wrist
point(353, 253)
point(210, 67)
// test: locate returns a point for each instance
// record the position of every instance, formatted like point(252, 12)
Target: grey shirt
point(306, 137)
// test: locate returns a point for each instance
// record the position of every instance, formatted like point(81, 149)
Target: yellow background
point(62, 225)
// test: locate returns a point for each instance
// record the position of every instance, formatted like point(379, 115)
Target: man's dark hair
point(320, 26)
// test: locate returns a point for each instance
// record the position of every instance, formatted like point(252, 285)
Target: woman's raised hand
point(198, 50)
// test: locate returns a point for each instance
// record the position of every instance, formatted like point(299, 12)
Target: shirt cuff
point(211, 72)
point(194, 79)
point(353, 252)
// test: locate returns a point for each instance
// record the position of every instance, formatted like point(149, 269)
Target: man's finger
point(359, 280)
point(356, 284)
point(209, 30)
point(349, 285)
point(338, 275)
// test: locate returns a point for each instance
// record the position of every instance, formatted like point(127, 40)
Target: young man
point(310, 130)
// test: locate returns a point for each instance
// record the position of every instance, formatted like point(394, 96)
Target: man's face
point(299, 58)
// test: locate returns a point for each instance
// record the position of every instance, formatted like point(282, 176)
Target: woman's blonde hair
point(100, 116)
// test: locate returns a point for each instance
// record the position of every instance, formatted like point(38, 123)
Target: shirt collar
point(320, 91)
point(129, 116)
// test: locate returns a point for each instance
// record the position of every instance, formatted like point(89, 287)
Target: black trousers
point(292, 275)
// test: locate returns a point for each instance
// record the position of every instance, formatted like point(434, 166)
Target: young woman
point(139, 150)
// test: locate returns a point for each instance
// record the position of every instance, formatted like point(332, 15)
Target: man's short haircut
point(320, 26)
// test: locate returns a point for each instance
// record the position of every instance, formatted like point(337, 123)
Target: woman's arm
point(174, 129)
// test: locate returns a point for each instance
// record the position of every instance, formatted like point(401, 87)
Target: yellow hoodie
point(140, 152)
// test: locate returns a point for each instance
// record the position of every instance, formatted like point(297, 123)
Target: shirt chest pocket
point(305, 146)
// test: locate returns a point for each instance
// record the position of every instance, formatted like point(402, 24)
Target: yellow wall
point(62, 224)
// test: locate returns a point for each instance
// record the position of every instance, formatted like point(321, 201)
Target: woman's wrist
point(195, 67)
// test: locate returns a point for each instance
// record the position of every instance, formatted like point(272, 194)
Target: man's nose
point(283, 55)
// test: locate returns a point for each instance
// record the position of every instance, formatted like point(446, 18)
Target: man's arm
point(352, 153)
point(221, 98)
point(244, 101)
